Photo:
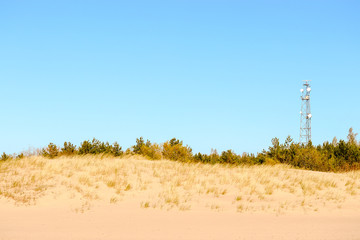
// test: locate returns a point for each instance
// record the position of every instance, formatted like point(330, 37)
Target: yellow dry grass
point(84, 181)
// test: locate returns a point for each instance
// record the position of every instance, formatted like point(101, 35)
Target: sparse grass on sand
point(85, 181)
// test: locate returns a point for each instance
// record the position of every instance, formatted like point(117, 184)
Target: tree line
point(335, 156)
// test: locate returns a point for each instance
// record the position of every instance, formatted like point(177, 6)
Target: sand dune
point(133, 198)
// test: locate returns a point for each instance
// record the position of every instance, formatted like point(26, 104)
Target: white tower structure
point(305, 113)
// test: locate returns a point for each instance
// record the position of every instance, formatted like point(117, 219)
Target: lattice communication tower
point(305, 113)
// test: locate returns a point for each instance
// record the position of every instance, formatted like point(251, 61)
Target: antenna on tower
point(305, 113)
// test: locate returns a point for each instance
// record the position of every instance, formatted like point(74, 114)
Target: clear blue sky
point(215, 74)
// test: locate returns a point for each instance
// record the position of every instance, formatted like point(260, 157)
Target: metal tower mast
point(305, 119)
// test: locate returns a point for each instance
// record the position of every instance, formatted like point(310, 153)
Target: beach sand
point(134, 198)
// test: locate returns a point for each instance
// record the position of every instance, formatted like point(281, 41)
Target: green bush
point(137, 147)
point(5, 157)
point(175, 150)
point(204, 158)
point(85, 147)
point(149, 150)
point(152, 151)
point(115, 150)
point(68, 149)
point(97, 147)
point(335, 156)
point(229, 157)
point(50, 151)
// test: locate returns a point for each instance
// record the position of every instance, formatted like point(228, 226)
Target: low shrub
point(86, 147)
point(229, 157)
point(175, 150)
point(5, 157)
point(93, 147)
point(152, 151)
point(204, 158)
point(335, 156)
point(68, 149)
point(115, 150)
point(50, 151)
point(136, 149)
point(147, 149)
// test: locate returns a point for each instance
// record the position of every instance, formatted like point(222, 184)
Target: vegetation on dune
point(86, 181)
point(335, 156)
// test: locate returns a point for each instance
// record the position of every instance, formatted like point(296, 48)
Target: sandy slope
point(94, 198)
